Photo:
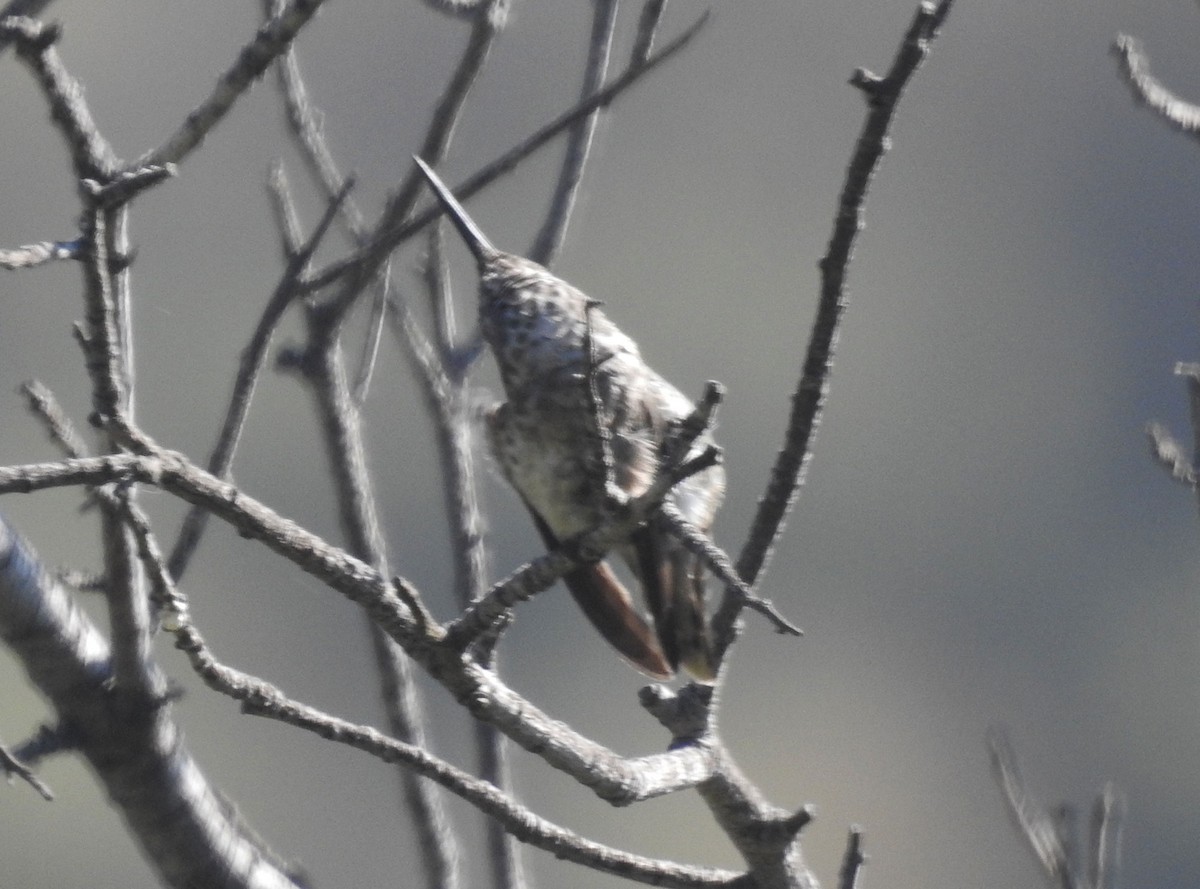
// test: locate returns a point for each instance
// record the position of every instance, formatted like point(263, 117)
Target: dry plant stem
point(1147, 89)
point(387, 239)
point(190, 835)
point(612, 777)
point(883, 96)
point(260, 698)
point(715, 559)
point(549, 240)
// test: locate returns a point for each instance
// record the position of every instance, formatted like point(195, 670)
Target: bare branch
point(260, 698)
point(385, 241)
point(808, 401)
point(647, 31)
point(700, 544)
point(91, 155)
point(32, 255)
point(1148, 90)
point(129, 737)
point(273, 38)
point(549, 240)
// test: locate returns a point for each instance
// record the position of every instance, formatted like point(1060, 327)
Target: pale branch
point(32, 255)
point(387, 240)
point(647, 31)
point(1169, 453)
point(272, 39)
point(125, 185)
point(1108, 819)
point(251, 362)
point(852, 861)
point(45, 406)
point(613, 778)
point(109, 367)
point(883, 96)
point(283, 208)
point(131, 742)
point(1149, 91)
point(11, 766)
point(700, 544)
point(260, 698)
point(91, 155)
point(548, 243)
point(766, 836)
point(470, 9)
point(305, 122)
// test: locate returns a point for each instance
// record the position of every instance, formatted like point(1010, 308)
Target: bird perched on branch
point(577, 387)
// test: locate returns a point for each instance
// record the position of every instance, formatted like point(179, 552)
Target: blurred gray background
point(983, 537)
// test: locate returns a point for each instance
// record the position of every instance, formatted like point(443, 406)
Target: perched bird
point(560, 359)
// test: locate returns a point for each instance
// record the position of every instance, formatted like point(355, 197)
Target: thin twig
point(647, 31)
point(272, 39)
point(13, 766)
point(549, 240)
point(62, 432)
point(701, 545)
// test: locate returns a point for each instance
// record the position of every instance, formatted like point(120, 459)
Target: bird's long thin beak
point(475, 239)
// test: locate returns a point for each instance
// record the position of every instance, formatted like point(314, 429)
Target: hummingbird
point(565, 367)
